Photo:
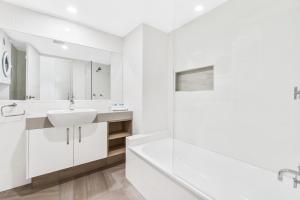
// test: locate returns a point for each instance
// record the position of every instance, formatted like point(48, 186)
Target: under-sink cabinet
point(57, 148)
point(90, 143)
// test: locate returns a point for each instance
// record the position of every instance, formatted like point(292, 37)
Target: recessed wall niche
point(198, 79)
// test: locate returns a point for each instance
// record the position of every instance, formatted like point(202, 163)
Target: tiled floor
point(109, 184)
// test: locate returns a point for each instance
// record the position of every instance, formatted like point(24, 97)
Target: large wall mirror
point(36, 68)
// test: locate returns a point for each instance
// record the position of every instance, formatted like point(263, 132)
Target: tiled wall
point(251, 114)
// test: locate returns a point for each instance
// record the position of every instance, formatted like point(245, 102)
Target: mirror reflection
point(36, 68)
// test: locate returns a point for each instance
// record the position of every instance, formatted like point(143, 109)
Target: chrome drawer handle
point(68, 136)
point(79, 129)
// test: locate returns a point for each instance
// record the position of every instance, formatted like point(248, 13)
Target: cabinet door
point(49, 150)
point(90, 143)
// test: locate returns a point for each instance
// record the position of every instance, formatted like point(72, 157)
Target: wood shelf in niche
point(118, 135)
point(115, 151)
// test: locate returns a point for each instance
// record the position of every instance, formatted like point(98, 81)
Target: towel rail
point(11, 105)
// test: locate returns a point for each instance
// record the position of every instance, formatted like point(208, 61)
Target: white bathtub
point(194, 173)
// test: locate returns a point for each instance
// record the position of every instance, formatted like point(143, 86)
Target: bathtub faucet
point(292, 172)
point(72, 102)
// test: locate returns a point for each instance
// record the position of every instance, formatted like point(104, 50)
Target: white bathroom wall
point(55, 78)
point(27, 21)
point(81, 80)
point(32, 72)
point(117, 78)
point(155, 80)
point(133, 75)
point(145, 65)
point(47, 74)
point(251, 114)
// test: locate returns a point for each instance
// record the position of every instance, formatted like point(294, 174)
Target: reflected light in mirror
point(64, 47)
point(72, 9)
point(199, 8)
point(67, 29)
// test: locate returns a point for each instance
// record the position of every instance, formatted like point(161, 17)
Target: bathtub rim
point(144, 139)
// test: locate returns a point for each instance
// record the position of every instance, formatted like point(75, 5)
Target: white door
point(90, 143)
point(49, 150)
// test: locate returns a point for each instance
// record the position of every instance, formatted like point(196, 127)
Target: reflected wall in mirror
point(100, 81)
point(45, 69)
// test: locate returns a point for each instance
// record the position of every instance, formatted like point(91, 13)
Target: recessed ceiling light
point(64, 47)
point(71, 9)
point(199, 8)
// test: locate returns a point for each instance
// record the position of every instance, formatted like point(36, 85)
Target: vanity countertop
point(40, 120)
point(41, 115)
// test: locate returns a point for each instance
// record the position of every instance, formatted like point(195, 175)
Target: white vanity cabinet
point(90, 143)
point(49, 150)
point(53, 149)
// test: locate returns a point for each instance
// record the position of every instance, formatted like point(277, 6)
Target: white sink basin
point(71, 117)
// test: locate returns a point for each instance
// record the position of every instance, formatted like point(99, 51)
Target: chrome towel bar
point(10, 105)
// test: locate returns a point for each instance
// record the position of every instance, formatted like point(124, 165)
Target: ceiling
point(119, 17)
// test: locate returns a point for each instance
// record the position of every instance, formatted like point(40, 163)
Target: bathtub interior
point(213, 175)
point(225, 178)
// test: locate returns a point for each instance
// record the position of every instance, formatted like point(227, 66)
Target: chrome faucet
point(295, 173)
point(72, 102)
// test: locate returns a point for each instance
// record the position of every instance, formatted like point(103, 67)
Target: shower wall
point(101, 81)
point(250, 114)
